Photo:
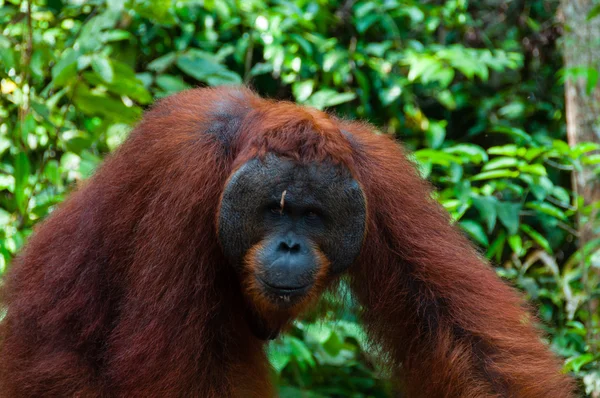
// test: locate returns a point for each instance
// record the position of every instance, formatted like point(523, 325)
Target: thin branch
point(557, 165)
point(567, 228)
point(248, 58)
point(28, 51)
point(561, 204)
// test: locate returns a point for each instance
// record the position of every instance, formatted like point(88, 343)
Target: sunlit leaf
point(547, 208)
point(476, 231)
point(516, 244)
point(325, 98)
point(278, 356)
point(500, 163)
point(487, 175)
point(537, 237)
point(103, 68)
point(171, 84)
point(302, 90)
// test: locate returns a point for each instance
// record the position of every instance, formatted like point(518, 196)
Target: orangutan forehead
point(316, 171)
point(314, 184)
point(274, 171)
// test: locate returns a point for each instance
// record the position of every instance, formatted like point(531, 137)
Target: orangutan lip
point(284, 291)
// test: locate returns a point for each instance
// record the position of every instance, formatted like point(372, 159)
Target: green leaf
point(487, 207)
point(540, 186)
point(278, 356)
point(125, 83)
point(318, 333)
point(516, 244)
point(437, 157)
point(65, 69)
point(537, 237)
point(115, 35)
point(334, 345)
point(505, 150)
point(547, 208)
point(591, 159)
point(198, 66)
point(512, 110)
point(160, 64)
point(5, 218)
point(497, 247)
point(76, 140)
point(83, 62)
point(303, 89)
point(301, 352)
point(38, 63)
point(591, 80)
point(488, 175)
point(513, 131)
point(378, 49)
point(447, 99)
point(88, 164)
point(5, 143)
point(362, 24)
point(561, 194)
point(575, 364)
point(536, 169)
point(534, 152)
point(584, 147)
point(562, 147)
point(171, 84)
point(475, 230)
point(101, 65)
point(224, 77)
point(421, 64)
point(594, 12)
point(97, 104)
point(52, 172)
point(7, 182)
point(508, 213)
point(70, 162)
point(205, 67)
point(390, 94)
point(22, 169)
point(28, 127)
point(500, 163)
point(116, 135)
point(158, 12)
point(261, 68)
point(327, 97)
point(435, 134)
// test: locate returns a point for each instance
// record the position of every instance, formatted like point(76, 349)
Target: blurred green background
point(475, 89)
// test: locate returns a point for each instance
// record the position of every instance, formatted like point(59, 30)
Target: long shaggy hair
point(125, 292)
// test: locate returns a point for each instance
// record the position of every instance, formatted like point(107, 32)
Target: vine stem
point(24, 108)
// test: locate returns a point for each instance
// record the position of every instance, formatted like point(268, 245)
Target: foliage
point(470, 88)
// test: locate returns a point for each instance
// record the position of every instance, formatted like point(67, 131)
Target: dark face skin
point(287, 226)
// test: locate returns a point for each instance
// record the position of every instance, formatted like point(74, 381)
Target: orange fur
point(124, 290)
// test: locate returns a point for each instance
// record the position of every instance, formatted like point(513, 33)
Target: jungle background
point(475, 89)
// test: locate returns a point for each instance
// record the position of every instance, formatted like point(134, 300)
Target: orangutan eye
point(311, 215)
point(275, 209)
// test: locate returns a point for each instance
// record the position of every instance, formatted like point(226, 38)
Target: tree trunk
point(582, 51)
